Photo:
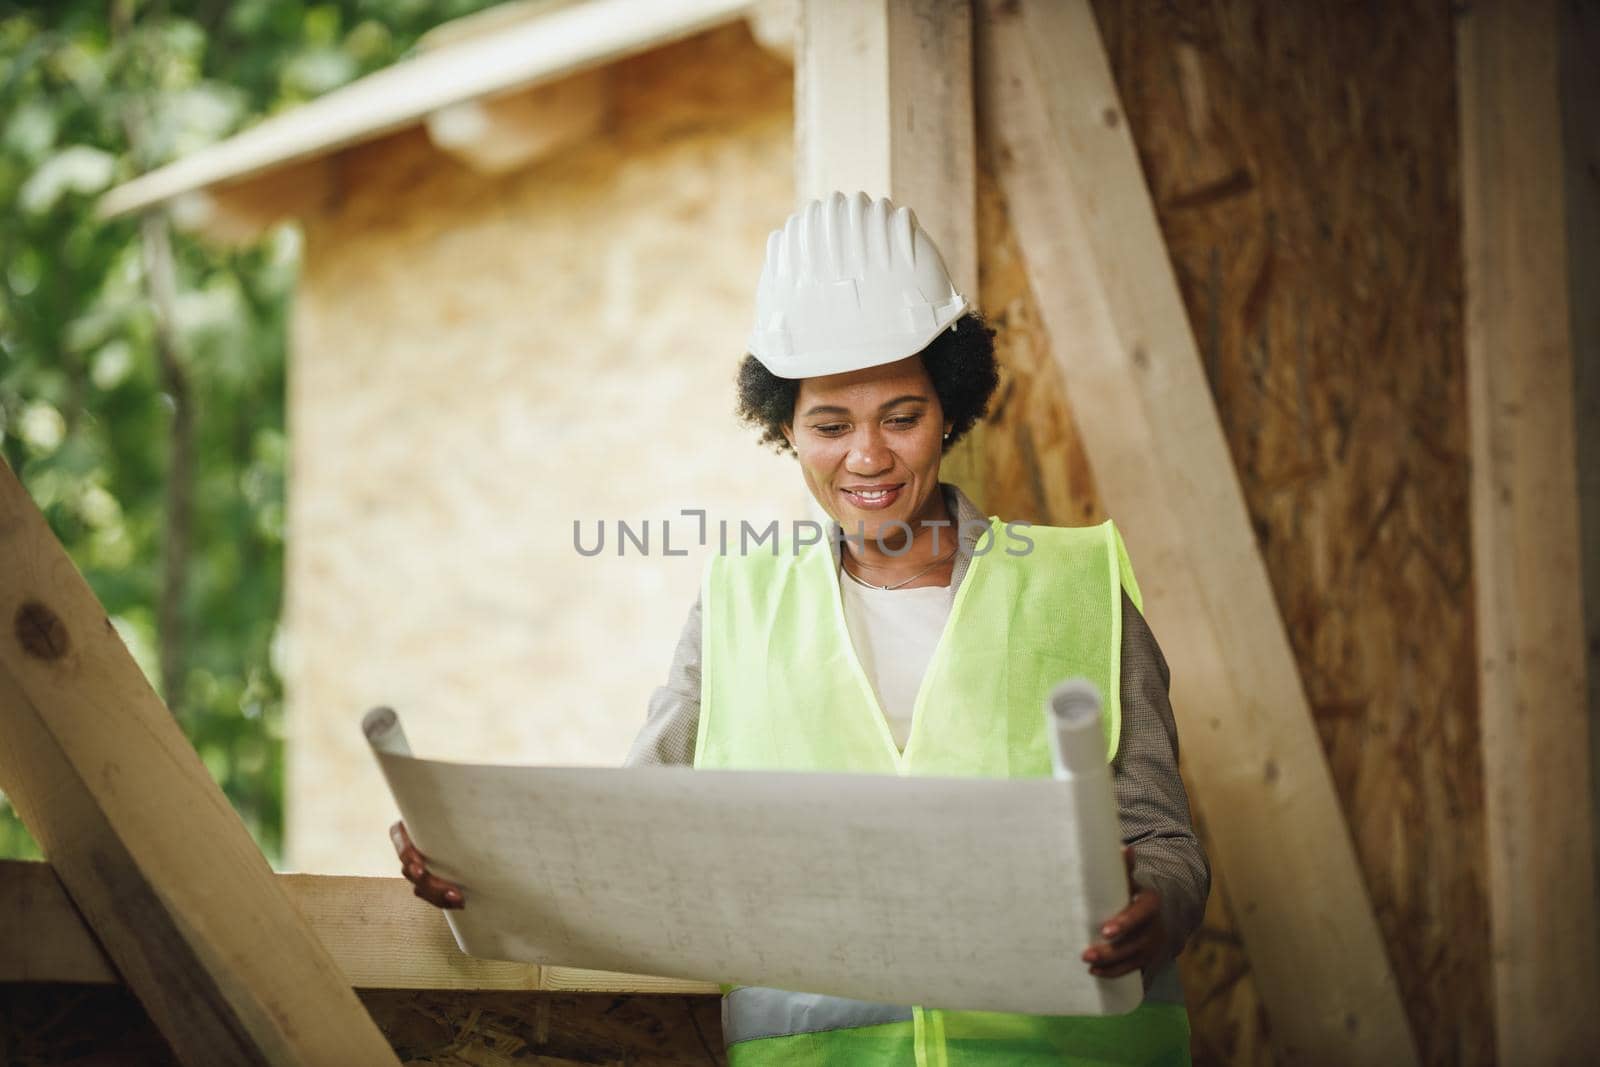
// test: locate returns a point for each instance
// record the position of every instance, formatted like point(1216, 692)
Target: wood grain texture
point(1115, 317)
point(155, 859)
point(376, 930)
point(1526, 545)
point(1580, 112)
point(1303, 163)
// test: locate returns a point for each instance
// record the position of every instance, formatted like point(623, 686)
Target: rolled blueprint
point(960, 893)
point(1077, 745)
point(384, 733)
point(1078, 751)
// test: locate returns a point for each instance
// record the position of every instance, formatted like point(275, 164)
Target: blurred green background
point(155, 444)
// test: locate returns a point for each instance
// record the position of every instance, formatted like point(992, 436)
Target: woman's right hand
point(429, 886)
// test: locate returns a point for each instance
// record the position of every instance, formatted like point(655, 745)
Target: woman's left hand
point(1134, 937)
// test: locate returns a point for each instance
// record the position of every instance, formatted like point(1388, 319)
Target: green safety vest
point(781, 688)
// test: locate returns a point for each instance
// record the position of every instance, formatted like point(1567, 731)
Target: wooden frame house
point(1298, 295)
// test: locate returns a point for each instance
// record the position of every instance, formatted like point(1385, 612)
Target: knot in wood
point(41, 632)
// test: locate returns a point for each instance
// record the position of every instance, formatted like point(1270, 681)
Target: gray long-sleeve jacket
point(1151, 800)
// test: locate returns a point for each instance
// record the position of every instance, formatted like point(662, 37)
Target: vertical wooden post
point(1527, 558)
point(1109, 299)
point(883, 104)
point(1580, 111)
point(151, 852)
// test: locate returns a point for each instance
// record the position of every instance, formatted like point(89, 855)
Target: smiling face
point(869, 444)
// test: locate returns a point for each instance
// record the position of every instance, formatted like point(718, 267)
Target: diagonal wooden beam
point(1526, 550)
point(151, 852)
point(1049, 110)
point(883, 104)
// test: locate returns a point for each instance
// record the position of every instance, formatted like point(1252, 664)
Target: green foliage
point(84, 419)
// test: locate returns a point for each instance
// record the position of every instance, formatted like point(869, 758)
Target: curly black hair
point(960, 361)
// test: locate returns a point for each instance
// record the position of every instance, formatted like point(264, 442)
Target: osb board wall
point(105, 1026)
point(1302, 160)
point(476, 364)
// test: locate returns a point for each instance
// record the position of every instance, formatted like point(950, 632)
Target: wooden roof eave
point(543, 49)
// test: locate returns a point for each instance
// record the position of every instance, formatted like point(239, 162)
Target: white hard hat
point(849, 282)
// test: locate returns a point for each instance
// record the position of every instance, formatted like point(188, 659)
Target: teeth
point(876, 494)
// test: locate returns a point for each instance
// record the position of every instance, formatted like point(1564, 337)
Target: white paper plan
point(959, 893)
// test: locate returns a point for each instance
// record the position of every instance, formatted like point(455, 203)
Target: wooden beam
point(883, 104)
point(1526, 550)
point(1580, 111)
point(376, 930)
point(1050, 115)
point(153, 855)
point(495, 135)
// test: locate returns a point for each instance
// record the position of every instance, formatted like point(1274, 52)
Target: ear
point(788, 434)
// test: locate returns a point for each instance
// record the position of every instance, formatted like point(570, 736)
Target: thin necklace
point(885, 588)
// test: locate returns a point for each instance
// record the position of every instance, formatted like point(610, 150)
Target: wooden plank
point(1580, 111)
point(376, 930)
point(1526, 546)
point(42, 936)
point(883, 104)
point(1111, 306)
point(384, 937)
point(149, 848)
point(541, 49)
point(579, 980)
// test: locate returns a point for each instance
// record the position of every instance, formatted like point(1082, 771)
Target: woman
point(912, 640)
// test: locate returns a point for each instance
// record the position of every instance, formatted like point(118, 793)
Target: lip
point(893, 493)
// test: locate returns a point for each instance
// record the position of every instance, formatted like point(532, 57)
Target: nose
point(869, 454)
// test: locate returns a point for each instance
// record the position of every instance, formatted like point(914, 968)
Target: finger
point(412, 858)
point(441, 890)
point(1116, 960)
point(1136, 960)
point(404, 846)
point(426, 890)
point(1146, 906)
point(1111, 951)
point(1119, 970)
point(1103, 953)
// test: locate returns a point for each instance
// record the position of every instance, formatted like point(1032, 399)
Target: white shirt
point(894, 632)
